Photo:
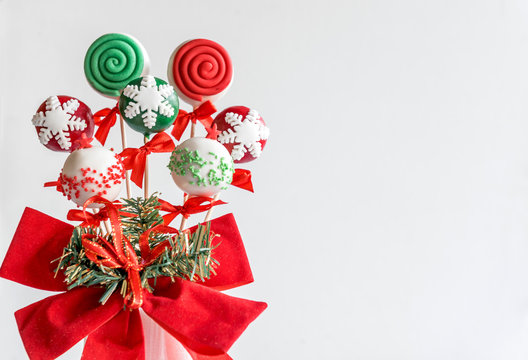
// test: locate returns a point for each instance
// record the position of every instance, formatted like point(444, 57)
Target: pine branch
point(188, 257)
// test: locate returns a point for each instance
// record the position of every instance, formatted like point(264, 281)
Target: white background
point(390, 219)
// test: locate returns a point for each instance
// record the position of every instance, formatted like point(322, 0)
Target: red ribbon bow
point(204, 320)
point(202, 113)
point(105, 119)
point(193, 205)
point(242, 179)
point(136, 159)
point(88, 219)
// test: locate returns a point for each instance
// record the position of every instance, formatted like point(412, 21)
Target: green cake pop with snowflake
point(148, 105)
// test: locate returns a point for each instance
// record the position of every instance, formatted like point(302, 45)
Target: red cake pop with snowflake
point(242, 131)
point(62, 121)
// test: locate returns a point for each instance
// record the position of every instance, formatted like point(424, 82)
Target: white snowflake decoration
point(148, 99)
point(57, 121)
point(245, 134)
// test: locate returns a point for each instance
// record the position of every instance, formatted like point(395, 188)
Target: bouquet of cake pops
point(126, 264)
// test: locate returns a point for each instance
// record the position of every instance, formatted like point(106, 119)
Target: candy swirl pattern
point(200, 69)
point(112, 61)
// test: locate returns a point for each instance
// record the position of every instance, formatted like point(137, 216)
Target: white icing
point(57, 121)
point(207, 149)
point(245, 134)
point(148, 98)
point(95, 158)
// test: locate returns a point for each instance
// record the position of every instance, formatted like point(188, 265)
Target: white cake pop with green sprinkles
point(201, 167)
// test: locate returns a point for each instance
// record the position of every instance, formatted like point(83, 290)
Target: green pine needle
point(186, 258)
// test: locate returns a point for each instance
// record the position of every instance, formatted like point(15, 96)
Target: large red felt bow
point(242, 179)
point(135, 159)
point(202, 113)
point(105, 119)
point(204, 320)
point(193, 205)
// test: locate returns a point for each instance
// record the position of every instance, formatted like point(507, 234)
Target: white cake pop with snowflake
point(201, 167)
point(242, 131)
point(89, 172)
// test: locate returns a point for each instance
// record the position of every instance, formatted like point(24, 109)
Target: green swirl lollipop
point(112, 61)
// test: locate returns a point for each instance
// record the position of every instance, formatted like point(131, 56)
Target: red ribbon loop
point(242, 179)
point(105, 119)
point(193, 205)
point(202, 113)
point(136, 159)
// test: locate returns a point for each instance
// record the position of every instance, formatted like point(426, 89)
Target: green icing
point(184, 161)
point(112, 61)
point(137, 122)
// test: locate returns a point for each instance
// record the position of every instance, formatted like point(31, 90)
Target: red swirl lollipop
point(200, 70)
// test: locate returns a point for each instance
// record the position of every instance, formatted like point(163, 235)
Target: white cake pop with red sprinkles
point(92, 171)
point(242, 131)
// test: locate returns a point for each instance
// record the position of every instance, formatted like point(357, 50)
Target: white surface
point(390, 219)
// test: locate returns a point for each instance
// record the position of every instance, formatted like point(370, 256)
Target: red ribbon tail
point(242, 179)
point(167, 219)
point(201, 312)
point(179, 127)
point(53, 325)
point(119, 338)
point(107, 121)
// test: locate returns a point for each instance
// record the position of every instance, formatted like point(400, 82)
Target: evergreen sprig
point(188, 257)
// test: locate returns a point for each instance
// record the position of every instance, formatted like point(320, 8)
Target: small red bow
point(105, 119)
point(193, 205)
point(202, 113)
point(136, 159)
point(242, 179)
point(88, 219)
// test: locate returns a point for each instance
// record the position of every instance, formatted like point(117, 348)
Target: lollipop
point(92, 171)
point(200, 70)
point(61, 121)
point(201, 167)
point(112, 61)
point(242, 131)
point(148, 104)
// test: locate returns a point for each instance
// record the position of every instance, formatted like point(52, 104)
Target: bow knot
point(136, 159)
point(202, 113)
point(193, 205)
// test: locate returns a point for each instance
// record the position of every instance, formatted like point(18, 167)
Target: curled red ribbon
point(202, 113)
point(105, 119)
point(242, 179)
point(121, 253)
point(193, 205)
point(136, 159)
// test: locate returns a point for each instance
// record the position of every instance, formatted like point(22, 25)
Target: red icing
point(200, 68)
point(76, 136)
point(222, 125)
point(91, 180)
